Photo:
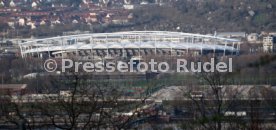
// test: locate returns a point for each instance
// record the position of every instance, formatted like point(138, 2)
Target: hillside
point(207, 16)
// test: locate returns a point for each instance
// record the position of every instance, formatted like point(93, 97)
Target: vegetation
point(210, 15)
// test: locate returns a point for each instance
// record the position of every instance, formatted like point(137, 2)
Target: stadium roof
point(129, 40)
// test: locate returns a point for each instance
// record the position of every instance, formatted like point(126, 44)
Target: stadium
point(129, 44)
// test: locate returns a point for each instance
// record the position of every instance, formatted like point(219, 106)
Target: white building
point(42, 22)
point(269, 44)
point(253, 38)
point(34, 5)
point(12, 4)
point(129, 7)
point(2, 4)
point(21, 22)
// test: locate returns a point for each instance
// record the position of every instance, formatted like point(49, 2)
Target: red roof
point(32, 13)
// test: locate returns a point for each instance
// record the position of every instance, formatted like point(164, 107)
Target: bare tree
point(78, 102)
point(211, 98)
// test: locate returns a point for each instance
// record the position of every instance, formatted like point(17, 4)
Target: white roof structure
point(129, 40)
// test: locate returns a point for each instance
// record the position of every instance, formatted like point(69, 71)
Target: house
point(129, 7)
point(10, 9)
point(11, 23)
point(91, 19)
point(34, 5)
point(269, 44)
point(272, 33)
point(240, 35)
point(253, 38)
point(120, 20)
point(12, 4)
point(55, 21)
point(130, 16)
point(31, 24)
point(75, 21)
point(108, 18)
point(21, 22)
point(2, 4)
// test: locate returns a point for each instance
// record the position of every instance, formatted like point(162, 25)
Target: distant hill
point(207, 16)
